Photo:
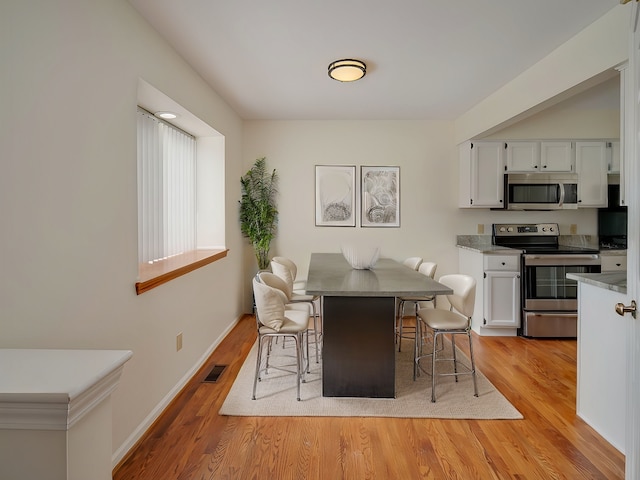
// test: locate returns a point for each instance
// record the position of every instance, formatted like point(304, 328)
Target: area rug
point(276, 393)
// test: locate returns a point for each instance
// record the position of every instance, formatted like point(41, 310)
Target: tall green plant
point(258, 212)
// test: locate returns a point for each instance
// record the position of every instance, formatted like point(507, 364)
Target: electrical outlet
point(480, 228)
point(179, 342)
point(573, 229)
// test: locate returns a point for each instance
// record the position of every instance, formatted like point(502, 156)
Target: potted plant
point(258, 212)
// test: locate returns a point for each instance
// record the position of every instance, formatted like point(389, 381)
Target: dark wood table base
point(358, 358)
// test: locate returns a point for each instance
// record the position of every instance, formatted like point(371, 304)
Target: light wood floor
point(191, 441)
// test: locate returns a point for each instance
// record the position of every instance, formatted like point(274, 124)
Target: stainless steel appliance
point(549, 299)
point(541, 191)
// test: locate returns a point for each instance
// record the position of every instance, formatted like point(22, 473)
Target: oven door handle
point(562, 260)
point(552, 314)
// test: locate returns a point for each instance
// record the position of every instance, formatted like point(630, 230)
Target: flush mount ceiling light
point(347, 70)
point(166, 115)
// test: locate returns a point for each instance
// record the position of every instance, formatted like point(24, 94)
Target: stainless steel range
point(549, 300)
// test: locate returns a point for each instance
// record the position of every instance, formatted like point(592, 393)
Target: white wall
point(587, 57)
point(68, 205)
point(427, 157)
point(592, 114)
point(68, 248)
point(427, 216)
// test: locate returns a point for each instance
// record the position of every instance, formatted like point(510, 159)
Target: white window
point(167, 180)
point(181, 197)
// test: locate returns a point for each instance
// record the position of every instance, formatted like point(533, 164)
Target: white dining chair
point(428, 269)
point(455, 321)
point(283, 271)
point(274, 319)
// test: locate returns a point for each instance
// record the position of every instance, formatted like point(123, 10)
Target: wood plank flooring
point(191, 441)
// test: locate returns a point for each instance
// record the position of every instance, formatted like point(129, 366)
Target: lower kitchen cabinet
point(501, 299)
point(613, 263)
point(497, 305)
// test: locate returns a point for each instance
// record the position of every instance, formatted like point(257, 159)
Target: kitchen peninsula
point(358, 349)
point(601, 390)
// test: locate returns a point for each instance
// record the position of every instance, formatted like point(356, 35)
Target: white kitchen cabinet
point(615, 168)
point(539, 156)
point(591, 167)
point(497, 305)
point(557, 156)
point(613, 263)
point(613, 157)
point(501, 291)
point(481, 175)
point(523, 156)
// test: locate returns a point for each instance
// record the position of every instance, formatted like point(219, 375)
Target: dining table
point(358, 309)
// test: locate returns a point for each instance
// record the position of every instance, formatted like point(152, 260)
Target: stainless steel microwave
point(541, 191)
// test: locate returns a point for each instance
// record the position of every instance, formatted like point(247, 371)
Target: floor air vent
point(215, 373)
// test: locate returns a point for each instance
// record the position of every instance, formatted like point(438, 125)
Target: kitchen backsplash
point(590, 241)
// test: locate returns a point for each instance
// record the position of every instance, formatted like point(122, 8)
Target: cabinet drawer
point(613, 263)
point(502, 262)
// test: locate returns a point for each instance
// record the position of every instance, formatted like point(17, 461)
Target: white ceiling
point(426, 59)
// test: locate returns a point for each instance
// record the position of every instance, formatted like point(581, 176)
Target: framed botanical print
point(380, 196)
point(336, 195)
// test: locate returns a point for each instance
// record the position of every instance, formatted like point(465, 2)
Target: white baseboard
point(137, 434)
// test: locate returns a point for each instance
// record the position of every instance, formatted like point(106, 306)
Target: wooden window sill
point(151, 276)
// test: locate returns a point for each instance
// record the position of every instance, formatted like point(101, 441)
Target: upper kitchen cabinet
point(591, 167)
point(535, 156)
point(613, 157)
point(481, 174)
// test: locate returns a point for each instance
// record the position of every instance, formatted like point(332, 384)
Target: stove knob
point(544, 229)
point(510, 229)
point(501, 229)
point(551, 229)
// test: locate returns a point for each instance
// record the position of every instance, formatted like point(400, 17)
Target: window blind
point(166, 189)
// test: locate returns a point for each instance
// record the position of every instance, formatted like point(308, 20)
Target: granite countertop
point(614, 281)
point(482, 244)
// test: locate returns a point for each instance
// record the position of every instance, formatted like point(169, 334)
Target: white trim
point(142, 428)
point(632, 179)
point(66, 396)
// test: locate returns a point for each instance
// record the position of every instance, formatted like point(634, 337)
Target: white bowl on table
point(361, 257)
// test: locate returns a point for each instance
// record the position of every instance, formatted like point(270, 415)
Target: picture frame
point(380, 196)
point(335, 196)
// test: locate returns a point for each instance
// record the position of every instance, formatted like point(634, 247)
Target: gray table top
point(331, 275)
